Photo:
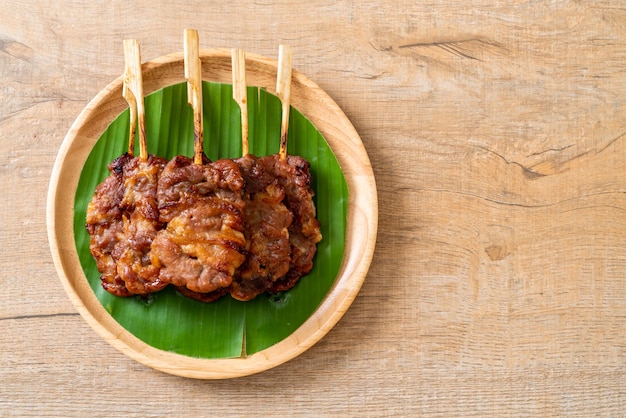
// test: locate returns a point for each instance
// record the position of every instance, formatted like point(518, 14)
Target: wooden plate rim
point(361, 229)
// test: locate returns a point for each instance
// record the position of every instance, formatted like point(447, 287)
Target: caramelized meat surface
point(304, 232)
point(282, 231)
point(141, 224)
point(122, 221)
point(242, 226)
point(280, 228)
point(267, 220)
point(202, 245)
point(105, 225)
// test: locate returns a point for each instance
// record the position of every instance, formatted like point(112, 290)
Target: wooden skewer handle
point(193, 74)
point(132, 105)
point(283, 91)
point(240, 94)
point(134, 84)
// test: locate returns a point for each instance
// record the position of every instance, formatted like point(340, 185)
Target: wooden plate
point(361, 227)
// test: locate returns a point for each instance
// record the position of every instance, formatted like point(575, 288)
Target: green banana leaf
point(227, 328)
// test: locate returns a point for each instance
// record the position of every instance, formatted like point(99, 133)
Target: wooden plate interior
point(361, 227)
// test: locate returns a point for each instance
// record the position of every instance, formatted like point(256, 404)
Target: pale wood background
point(496, 130)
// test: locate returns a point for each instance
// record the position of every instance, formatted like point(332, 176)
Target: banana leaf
point(226, 328)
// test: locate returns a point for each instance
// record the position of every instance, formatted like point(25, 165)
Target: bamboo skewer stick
point(283, 91)
point(132, 105)
point(240, 94)
point(133, 93)
point(193, 74)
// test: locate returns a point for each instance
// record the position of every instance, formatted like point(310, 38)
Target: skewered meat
point(281, 231)
point(202, 245)
point(294, 176)
point(122, 221)
point(198, 231)
point(267, 220)
point(105, 225)
point(233, 226)
point(141, 224)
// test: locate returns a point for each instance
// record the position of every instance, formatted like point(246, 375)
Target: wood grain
point(496, 133)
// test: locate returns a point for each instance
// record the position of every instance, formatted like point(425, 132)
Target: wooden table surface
point(496, 130)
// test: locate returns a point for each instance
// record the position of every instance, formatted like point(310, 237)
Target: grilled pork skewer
point(209, 228)
point(201, 202)
point(104, 216)
point(280, 226)
point(122, 218)
point(293, 174)
point(266, 217)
